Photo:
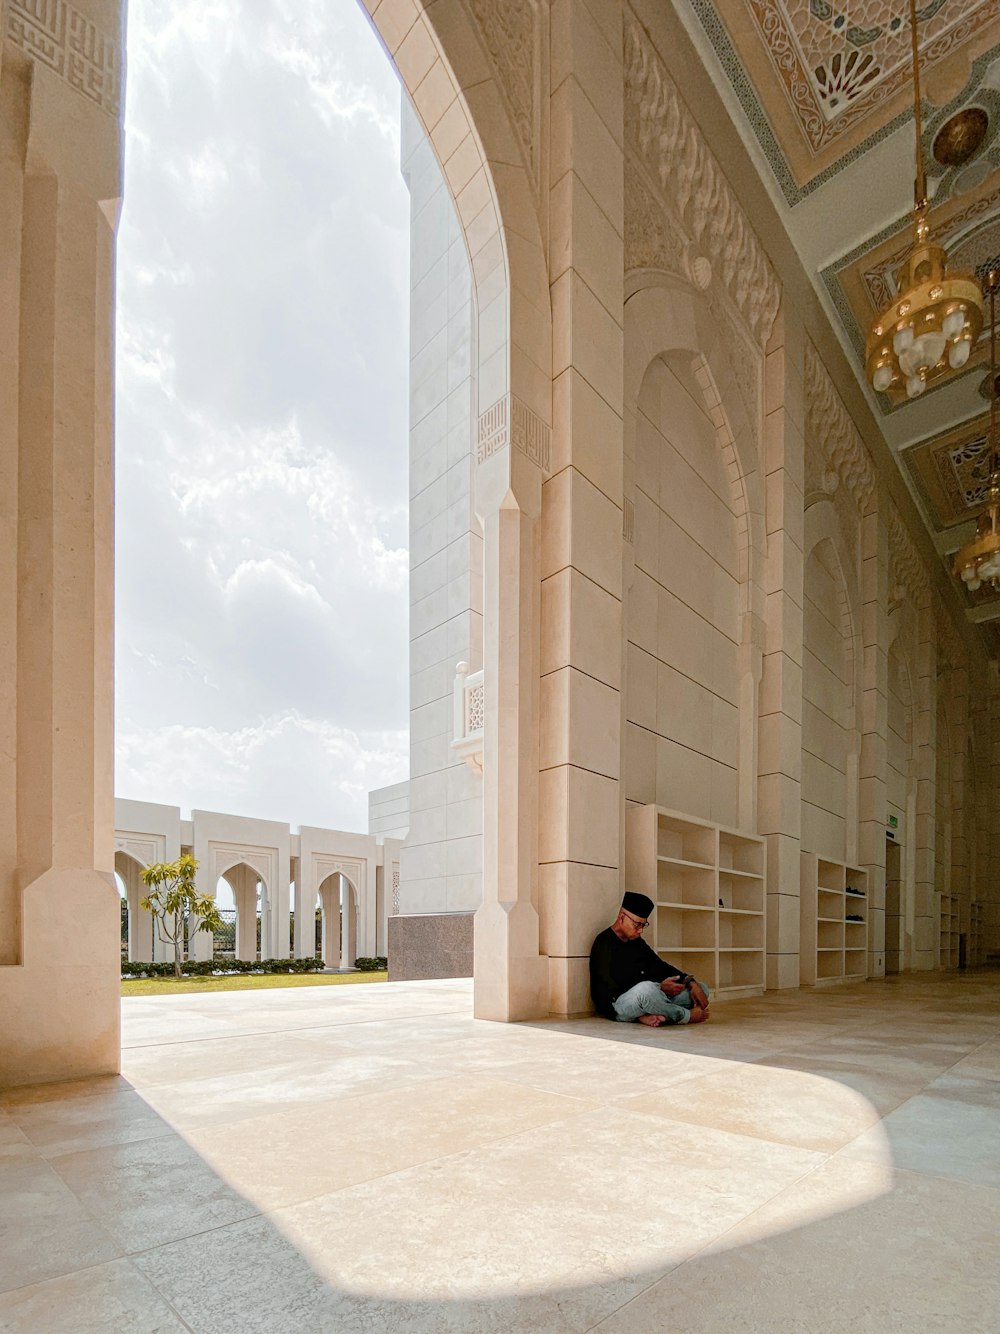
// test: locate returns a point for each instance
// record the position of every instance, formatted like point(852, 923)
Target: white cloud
point(262, 411)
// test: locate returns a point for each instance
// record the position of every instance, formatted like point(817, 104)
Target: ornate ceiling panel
point(950, 472)
point(821, 81)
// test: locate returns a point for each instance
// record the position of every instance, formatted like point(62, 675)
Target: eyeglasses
point(637, 922)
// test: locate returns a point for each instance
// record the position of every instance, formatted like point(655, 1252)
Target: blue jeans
point(647, 998)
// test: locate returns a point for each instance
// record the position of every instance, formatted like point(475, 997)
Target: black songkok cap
point(637, 904)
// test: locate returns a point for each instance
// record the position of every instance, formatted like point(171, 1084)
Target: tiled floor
point(373, 1159)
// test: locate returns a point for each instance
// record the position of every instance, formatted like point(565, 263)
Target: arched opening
point(251, 908)
point(142, 942)
point(339, 905)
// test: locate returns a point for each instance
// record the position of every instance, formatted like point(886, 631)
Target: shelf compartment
point(740, 855)
point(685, 842)
point(699, 963)
point(739, 970)
point(829, 875)
point(741, 931)
point(685, 884)
point(739, 895)
point(684, 929)
point(830, 935)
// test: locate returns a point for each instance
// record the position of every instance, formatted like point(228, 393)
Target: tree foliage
point(173, 900)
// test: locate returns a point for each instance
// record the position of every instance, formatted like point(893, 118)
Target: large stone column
point(511, 977)
point(779, 800)
point(927, 909)
point(580, 752)
point(872, 801)
point(60, 182)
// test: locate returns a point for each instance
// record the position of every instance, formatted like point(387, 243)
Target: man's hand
point(698, 994)
point(671, 987)
point(698, 1015)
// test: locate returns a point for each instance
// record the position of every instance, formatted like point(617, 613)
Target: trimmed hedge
point(221, 967)
point(217, 966)
point(378, 964)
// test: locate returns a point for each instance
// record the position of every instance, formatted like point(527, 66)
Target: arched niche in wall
point(830, 687)
point(694, 551)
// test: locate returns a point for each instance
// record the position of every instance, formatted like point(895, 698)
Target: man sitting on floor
point(629, 981)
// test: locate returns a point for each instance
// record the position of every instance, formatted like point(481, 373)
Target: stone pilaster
point(580, 741)
point(60, 163)
point(874, 721)
point(925, 905)
point(779, 802)
point(511, 975)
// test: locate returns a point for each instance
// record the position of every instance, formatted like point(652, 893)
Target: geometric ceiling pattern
point(820, 81)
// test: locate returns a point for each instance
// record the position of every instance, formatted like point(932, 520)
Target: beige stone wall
point(683, 610)
point(441, 866)
point(828, 741)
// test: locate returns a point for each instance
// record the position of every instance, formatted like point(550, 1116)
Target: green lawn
point(171, 986)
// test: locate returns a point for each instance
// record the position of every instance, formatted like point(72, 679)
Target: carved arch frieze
point(720, 246)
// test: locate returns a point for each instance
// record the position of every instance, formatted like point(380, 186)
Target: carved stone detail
point(511, 422)
point(829, 428)
point(226, 856)
point(350, 870)
point(654, 239)
point(68, 43)
point(951, 652)
point(692, 184)
point(907, 572)
point(145, 851)
point(510, 33)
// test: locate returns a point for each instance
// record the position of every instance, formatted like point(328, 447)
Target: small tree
point(172, 898)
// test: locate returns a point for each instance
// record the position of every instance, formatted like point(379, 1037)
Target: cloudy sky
point(262, 416)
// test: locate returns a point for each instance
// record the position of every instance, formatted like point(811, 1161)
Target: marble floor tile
point(45, 1231)
point(537, 1214)
point(353, 1140)
point(108, 1299)
point(178, 1062)
point(151, 1192)
point(851, 1246)
point(786, 1106)
point(37, 1095)
point(228, 1098)
point(117, 1117)
point(949, 1130)
point(983, 1063)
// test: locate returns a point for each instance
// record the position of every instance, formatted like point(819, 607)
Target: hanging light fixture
point(978, 562)
point(932, 324)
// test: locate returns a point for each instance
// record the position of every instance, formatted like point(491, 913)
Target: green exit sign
point(893, 822)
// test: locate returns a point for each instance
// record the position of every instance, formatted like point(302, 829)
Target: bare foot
point(652, 1020)
point(698, 1015)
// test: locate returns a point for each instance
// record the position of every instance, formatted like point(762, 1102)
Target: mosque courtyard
point(375, 1159)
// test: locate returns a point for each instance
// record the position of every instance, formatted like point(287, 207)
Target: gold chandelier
point(932, 324)
point(978, 562)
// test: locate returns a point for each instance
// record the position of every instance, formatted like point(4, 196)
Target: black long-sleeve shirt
point(616, 965)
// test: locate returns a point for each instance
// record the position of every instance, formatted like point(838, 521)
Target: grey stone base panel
point(430, 945)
